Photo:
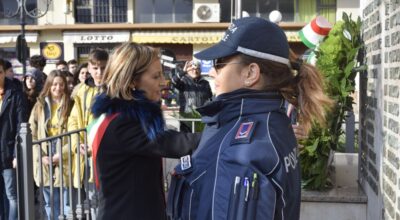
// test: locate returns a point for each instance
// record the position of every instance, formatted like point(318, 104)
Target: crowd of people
point(242, 166)
point(46, 101)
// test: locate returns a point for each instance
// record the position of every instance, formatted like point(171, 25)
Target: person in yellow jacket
point(49, 118)
point(81, 117)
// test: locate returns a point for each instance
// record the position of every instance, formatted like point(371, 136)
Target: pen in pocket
point(252, 203)
point(255, 186)
point(233, 203)
point(247, 187)
point(237, 183)
point(243, 197)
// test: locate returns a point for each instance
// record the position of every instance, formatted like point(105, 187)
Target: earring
point(246, 83)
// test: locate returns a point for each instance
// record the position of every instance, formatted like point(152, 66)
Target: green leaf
point(352, 54)
point(311, 149)
point(349, 68)
point(345, 17)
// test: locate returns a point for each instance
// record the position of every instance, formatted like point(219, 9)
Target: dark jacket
point(246, 165)
point(12, 114)
point(129, 164)
point(193, 93)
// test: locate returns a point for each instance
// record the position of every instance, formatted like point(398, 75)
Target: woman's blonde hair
point(126, 65)
point(301, 86)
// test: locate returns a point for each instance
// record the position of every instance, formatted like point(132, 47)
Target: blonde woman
point(49, 118)
point(128, 137)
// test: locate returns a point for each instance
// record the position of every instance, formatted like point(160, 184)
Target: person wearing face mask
point(49, 118)
point(128, 137)
point(246, 165)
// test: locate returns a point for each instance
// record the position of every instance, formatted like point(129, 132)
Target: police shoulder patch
point(244, 133)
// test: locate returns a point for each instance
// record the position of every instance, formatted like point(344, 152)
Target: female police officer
point(246, 165)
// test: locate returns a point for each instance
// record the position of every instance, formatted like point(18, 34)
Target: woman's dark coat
point(129, 164)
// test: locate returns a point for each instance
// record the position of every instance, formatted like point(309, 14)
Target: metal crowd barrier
point(74, 203)
point(78, 201)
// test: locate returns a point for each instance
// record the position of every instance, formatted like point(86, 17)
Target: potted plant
point(336, 60)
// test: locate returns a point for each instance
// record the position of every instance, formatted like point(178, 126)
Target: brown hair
point(127, 65)
point(37, 61)
point(61, 62)
point(66, 102)
point(78, 71)
point(301, 86)
point(97, 55)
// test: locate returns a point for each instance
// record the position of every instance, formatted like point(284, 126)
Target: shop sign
point(53, 52)
point(97, 37)
point(195, 39)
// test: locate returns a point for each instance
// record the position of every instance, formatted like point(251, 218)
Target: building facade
point(71, 28)
point(379, 109)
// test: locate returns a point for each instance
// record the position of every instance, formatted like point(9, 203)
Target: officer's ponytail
point(311, 99)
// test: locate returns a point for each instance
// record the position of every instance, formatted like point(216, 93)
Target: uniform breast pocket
point(241, 196)
point(251, 197)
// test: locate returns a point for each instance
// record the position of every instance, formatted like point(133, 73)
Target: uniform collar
point(238, 103)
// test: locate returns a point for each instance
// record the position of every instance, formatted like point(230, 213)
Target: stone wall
point(379, 108)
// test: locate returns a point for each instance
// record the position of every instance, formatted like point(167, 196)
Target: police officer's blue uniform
point(246, 165)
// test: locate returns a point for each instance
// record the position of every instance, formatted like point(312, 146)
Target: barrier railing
point(79, 202)
point(50, 162)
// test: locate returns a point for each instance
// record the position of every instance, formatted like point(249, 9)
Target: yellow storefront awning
point(190, 37)
point(178, 37)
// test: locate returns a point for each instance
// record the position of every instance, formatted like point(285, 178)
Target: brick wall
point(379, 108)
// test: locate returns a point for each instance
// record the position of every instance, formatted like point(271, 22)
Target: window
point(259, 8)
point(327, 8)
point(101, 11)
point(163, 11)
point(10, 7)
point(83, 50)
point(292, 10)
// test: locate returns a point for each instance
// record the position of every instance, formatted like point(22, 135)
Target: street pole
point(23, 49)
point(238, 9)
point(23, 12)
